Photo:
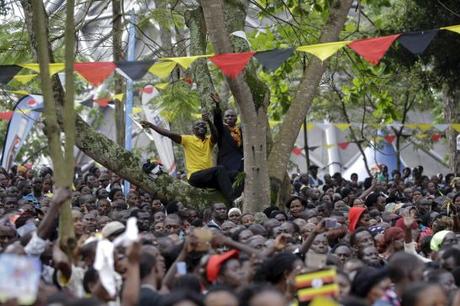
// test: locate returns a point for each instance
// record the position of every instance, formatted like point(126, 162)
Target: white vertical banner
point(162, 143)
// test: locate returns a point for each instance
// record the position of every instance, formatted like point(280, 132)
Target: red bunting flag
point(96, 72)
point(436, 137)
point(232, 64)
point(6, 116)
point(296, 151)
point(373, 49)
point(103, 102)
point(390, 138)
point(343, 145)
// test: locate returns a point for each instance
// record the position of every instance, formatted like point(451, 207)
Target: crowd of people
point(391, 240)
point(388, 240)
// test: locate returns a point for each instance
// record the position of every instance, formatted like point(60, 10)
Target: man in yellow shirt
point(198, 156)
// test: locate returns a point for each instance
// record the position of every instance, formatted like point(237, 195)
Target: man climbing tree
point(198, 156)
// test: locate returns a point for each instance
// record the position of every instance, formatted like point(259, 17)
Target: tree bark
point(117, 47)
point(250, 98)
point(285, 139)
point(109, 154)
point(452, 115)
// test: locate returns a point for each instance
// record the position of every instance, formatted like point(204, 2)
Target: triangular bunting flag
point(162, 86)
point(103, 102)
point(411, 125)
point(119, 97)
point(136, 110)
point(421, 136)
point(296, 151)
point(18, 92)
point(329, 146)
point(417, 42)
point(95, 73)
point(390, 138)
point(232, 64)
point(454, 28)
point(186, 61)
point(343, 145)
point(324, 51)
point(441, 127)
point(54, 67)
point(6, 116)
point(424, 126)
point(88, 102)
point(272, 59)
point(456, 126)
point(25, 78)
point(436, 137)
point(310, 126)
point(313, 148)
point(7, 72)
point(342, 126)
point(373, 49)
point(162, 69)
point(134, 70)
point(378, 139)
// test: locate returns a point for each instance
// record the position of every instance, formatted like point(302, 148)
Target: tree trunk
point(252, 103)
point(109, 154)
point(62, 161)
point(117, 47)
point(452, 115)
point(285, 139)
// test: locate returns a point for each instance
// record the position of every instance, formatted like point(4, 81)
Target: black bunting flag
point(7, 72)
point(134, 70)
point(417, 42)
point(272, 59)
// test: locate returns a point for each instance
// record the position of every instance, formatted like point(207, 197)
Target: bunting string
point(371, 50)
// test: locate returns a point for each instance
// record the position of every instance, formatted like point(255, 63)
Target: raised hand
point(205, 117)
point(215, 98)
point(145, 124)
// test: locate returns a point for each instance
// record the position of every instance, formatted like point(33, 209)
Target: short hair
point(411, 294)
point(146, 263)
point(401, 264)
point(355, 233)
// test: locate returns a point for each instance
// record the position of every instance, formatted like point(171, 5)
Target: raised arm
point(212, 128)
point(174, 137)
point(217, 114)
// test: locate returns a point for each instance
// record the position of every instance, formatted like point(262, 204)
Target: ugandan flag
point(314, 284)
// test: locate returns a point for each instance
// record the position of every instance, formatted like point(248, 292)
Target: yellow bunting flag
point(424, 126)
point(454, 28)
point(324, 51)
point(25, 78)
point(329, 146)
point(119, 97)
point(411, 125)
point(54, 68)
point(161, 86)
point(310, 126)
point(186, 61)
point(456, 126)
point(342, 126)
point(136, 110)
point(18, 92)
point(162, 69)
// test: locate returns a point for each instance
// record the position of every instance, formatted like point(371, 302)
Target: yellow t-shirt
point(198, 153)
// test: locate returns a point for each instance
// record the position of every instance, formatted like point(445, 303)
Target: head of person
point(423, 294)
point(443, 278)
point(313, 170)
point(320, 244)
point(219, 212)
point(200, 129)
point(247, 219)
point(183, 298)
point(234, 215)
point(370, 284)
point(261, 295)
point(221, 296)
point(370, 256)
point(343, 252)
point(159, 216)
point(394, 239)
point(116, 194)
point(357, 217)
point(230, 117)
point(225, 269)
point(296, 206)
point(404, 269)
point(442, 239)
point(450, 259)
point(361, 238)
point(173, 224)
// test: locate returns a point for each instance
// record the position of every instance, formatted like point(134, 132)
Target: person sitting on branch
point(198, 156)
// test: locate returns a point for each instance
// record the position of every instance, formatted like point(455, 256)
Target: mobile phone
point(181, 267)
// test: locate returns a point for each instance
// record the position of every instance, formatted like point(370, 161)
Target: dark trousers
point(215, 177)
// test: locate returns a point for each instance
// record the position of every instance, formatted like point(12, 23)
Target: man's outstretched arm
point(173, 136)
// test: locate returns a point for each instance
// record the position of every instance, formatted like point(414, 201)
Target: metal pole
point(305, 142)
point(129, 90)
